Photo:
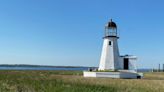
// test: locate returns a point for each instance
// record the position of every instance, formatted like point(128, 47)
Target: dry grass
point(148, 84)
point(73, 81)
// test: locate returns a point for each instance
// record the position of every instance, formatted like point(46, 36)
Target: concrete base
point(121, 74)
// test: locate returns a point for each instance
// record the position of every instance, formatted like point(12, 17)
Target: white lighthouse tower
point(110, 53)
point(113, 65)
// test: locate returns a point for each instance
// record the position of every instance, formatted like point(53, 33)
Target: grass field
point(73, 81)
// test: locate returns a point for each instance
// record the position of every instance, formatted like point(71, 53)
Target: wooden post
point(159, 68)
point(163, 67)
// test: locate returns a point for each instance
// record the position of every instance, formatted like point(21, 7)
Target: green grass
point(73, 81)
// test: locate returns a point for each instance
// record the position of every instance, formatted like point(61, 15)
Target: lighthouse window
point(110, 43)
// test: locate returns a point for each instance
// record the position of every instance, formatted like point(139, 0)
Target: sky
point(69, 32)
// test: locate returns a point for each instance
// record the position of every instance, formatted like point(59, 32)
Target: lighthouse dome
point(111, 25)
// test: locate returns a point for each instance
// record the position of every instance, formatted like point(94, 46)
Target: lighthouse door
point(126, 63)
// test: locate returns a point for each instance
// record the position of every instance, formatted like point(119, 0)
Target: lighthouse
point(110, 52)
point(112, 64)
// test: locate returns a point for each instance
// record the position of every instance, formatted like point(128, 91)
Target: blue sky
point(69, 32)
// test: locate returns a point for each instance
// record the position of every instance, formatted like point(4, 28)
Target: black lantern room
point(111, 29)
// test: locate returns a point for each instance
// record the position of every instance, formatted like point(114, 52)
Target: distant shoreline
point(49, 67)
point(26, 65)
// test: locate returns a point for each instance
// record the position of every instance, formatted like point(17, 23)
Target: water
point(144, 70)
point(54, 68)
point(42, 68)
